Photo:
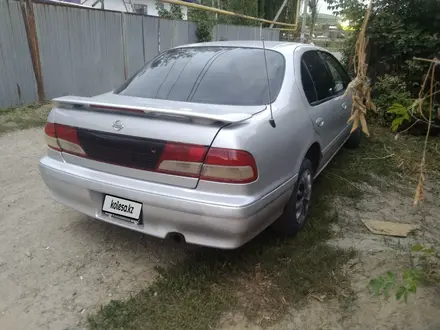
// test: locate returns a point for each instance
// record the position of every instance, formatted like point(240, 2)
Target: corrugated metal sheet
point(176, 33)
point(151, 37)
point(86, 52)
point(235, 32)
point(248, 33)
point(17, 79)
point(172, 34)
point(167, 34)
point(134, 42)
point(81, 50)
point(192, 38)
point(271, 34)
point(220, 32)
point(276, 34)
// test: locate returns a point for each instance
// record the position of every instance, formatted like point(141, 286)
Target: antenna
point(271, 121)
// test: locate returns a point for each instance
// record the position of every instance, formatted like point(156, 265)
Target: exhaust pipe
point(176, 237)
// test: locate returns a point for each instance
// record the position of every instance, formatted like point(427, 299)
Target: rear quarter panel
point(278, 151)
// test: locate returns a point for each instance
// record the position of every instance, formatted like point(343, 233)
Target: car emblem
point(118, 125)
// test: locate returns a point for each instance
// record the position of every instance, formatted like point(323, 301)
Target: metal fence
point(86, 52)
point(17, 79)
point(81, 51)
point(234, 32)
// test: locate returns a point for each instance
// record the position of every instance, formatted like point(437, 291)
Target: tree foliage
point(246, 7)
point(352, 10)
point(266, 9)
point(269, 8)
point(398, 31)
point(175, 11)
point(205, 22)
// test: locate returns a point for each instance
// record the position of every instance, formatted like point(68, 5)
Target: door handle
point(320, 122)
point(344, 106)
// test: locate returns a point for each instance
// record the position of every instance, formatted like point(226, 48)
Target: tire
point(354, 140)
point(293, 218)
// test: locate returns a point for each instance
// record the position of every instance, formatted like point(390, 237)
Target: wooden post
point(124, 45)
point(27, 11)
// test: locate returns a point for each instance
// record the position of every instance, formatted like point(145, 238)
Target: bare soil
point(57, 266)
point(376, 255)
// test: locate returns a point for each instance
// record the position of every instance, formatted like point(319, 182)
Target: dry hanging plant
point(360, 86)
point(430, 76)
point(361, 93)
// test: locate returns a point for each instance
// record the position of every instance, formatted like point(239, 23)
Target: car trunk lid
point(128, 136)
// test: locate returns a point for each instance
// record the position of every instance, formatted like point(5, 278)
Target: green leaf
point(417, 248)
point(396, 124)
point(417, 275)
point(376, 285)
point(383, 284)
point(413, 289)
point(397, 109)
point(391, 276)
point(400, 292)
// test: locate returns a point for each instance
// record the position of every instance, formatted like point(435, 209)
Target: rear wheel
point(354, 140)
point(296, 211)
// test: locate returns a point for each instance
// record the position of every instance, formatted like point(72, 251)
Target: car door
point(318, 85)
point(342, 102)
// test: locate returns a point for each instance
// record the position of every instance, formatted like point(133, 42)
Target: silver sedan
point(208, 143)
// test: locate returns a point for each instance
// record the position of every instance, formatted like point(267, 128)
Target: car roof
point(280, 46)
point(246, 44)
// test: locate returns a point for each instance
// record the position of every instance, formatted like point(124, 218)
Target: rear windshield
point(215, 75)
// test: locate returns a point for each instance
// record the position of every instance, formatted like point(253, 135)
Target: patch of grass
point(12, 119)
point(383, 160)
point(270, 274)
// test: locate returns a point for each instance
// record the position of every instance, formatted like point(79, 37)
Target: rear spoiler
point(91, 104)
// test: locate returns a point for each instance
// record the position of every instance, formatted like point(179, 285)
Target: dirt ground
point(376, 255)
point(56, 266)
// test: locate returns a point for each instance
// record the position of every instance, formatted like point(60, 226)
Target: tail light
point(51, 136)
point(63, 138)
point(215, 164)
point(182, 159)
point(229, 165)
point(197, 161)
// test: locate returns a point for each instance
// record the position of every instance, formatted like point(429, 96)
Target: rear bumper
point(200, 222)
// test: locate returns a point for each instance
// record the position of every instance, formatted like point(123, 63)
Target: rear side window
point(308, 85)
point(340, 76)
point(319, 74)
point(214, 75)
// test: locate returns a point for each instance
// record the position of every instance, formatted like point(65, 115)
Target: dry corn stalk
point(431, 73)
point(360, 86)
